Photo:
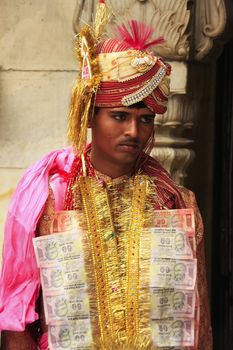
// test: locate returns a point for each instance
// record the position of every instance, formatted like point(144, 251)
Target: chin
point(129, 159)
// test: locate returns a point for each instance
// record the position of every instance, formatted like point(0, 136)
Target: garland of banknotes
point(117, 274)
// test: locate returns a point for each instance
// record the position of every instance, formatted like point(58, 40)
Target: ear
point(91, 118)
point(90, 121)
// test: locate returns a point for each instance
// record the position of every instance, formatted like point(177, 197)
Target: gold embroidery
point(136, 225)
point(117, 219)
point(104, 253)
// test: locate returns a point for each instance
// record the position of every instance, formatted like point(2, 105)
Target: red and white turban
point(129, 76)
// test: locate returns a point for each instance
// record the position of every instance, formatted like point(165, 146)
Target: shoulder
point(152, 167)
point(56, 162)
point(187, 195)
point(58, 158)
point(32, 189)
point(166, 188)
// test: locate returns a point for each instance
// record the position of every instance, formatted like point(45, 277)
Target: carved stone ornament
point(170, 147)
point(174, 160)
point(83, 13)
point(181, 113)
point(173, 19)
point(210, 22)
point(170, 19)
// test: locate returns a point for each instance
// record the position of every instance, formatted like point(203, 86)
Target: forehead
point(125, 110)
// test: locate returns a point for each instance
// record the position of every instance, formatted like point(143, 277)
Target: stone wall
point(37, 69)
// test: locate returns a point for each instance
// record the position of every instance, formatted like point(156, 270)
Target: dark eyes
point(146, 119)
point(119, 117)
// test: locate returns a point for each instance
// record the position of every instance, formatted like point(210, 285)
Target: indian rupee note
point(177, 274)
point(72, 336)
point(66, 221)
point(179, 218)
point(68, 306)
point(171, 243)
point(69, 275)
point(166, 303)
point(176, 332)
point(61, 247)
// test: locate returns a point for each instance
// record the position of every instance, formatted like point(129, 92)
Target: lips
point(129, 147)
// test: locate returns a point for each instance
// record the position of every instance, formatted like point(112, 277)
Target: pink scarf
point(20, 279)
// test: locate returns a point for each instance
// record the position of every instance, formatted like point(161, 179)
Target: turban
point(115, 72)
point(129, 76)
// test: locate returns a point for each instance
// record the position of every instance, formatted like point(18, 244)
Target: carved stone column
point(189, 28)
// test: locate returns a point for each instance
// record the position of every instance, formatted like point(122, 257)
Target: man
point(114, 187)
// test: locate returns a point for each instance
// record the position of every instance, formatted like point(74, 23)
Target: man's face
point(120, 134)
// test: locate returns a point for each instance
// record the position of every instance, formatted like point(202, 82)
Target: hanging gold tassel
point(81, 111)
point(86, 85)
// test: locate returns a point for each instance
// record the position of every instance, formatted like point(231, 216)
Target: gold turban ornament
point(87, 83)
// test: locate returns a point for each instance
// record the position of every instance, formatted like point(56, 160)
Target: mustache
point(130, 141)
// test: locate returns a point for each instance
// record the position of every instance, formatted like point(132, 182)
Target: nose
point(132, 129)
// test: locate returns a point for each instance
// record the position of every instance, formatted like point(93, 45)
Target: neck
point(111, 169)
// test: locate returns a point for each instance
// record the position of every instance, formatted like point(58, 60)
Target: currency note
point(66, 276)
point(59, 247)
point(67, 306)
point(176, 332)
point(166, 303)
point(72, 336)
point(65, 221)
point(179, 218)
point(172, 243)
point(177, 274)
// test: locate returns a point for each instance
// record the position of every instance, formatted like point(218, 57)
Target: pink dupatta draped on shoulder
point(20, 279)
